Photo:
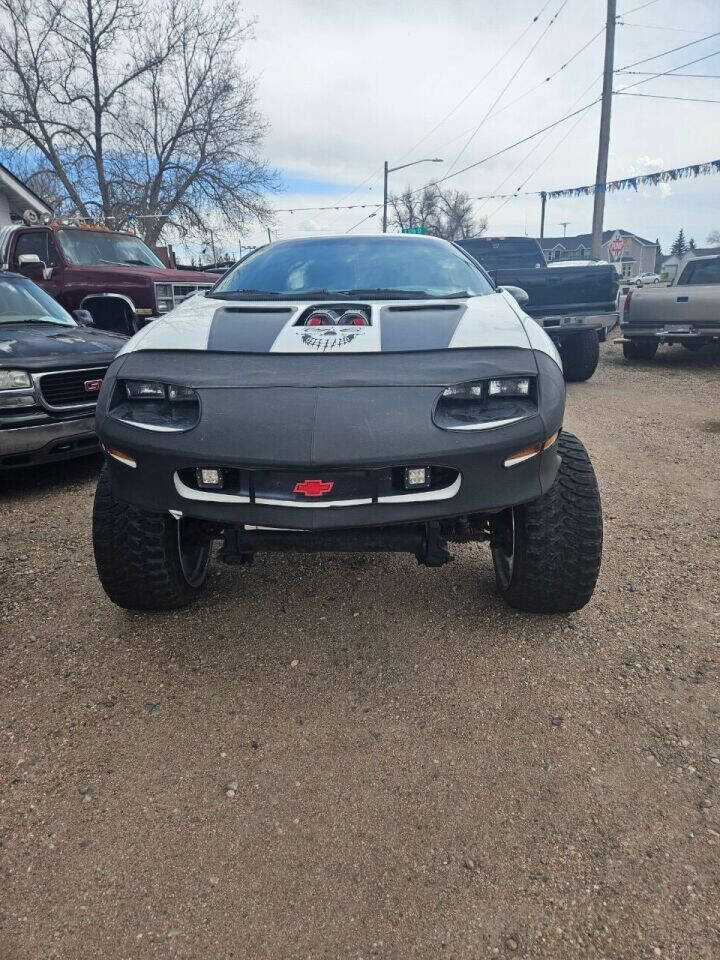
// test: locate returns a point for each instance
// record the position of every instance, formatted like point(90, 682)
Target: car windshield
point(21, 301)
point(369, 267)
point(91, 247)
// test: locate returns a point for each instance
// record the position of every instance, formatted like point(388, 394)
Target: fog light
point(209, 478)
point(416, 477)
point(509, 387)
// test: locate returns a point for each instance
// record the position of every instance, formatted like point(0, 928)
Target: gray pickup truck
point(686, 312)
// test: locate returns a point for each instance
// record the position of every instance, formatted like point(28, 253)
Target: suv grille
point(67, 388)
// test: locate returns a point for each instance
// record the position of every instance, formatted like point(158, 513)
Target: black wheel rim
point(194, 553)
point(503, 547)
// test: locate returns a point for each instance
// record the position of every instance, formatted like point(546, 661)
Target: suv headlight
point(154, 405)
point(164, 301)
point(14, 379)
point(481, 404)
point(16, 390)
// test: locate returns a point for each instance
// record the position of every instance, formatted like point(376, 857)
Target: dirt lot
point(414, 771)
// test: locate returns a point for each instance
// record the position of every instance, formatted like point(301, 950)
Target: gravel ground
point(357, 757)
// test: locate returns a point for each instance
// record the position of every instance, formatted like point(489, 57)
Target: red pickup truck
point(113, 275)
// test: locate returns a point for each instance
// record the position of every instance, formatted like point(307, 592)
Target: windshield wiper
point(395, 294)
point(49, 320)
point(139, 263)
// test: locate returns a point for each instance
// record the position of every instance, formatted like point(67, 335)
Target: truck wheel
point(146, 561)
point(580, 354)
point(641, 349)
point(693, 345)
point(547, 553)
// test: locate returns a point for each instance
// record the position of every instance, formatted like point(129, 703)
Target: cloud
point(347, 86)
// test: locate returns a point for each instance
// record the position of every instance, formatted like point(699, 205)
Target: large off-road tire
point(641, 349)
point(580, 354)
point(146, 561)
point(547, 553)
point(694, 345)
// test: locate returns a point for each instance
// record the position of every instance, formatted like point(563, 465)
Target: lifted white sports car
point(343, 393)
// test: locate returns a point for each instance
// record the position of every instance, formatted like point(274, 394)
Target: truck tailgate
point(682, 304)
point(564, 290)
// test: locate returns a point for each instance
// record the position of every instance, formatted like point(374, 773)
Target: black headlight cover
point(173, 408)
point(469, 406)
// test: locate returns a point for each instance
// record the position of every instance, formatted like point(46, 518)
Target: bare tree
point(132, 111)
point(442, 213)
point(714, 237)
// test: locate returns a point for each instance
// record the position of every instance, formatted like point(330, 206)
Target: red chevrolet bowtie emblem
point(92, 386)
point(314, 488)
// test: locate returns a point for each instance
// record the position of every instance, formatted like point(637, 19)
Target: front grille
point(66, 388)
point(181, 291)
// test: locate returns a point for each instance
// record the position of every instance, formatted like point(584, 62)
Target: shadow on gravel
point(346, 612)
point(29, 481)
point(672, 358)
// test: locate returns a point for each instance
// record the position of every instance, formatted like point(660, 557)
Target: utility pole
point(543, 201)
point(387, 170)
point(604, 141)
point(565, 224)
point(385, 176)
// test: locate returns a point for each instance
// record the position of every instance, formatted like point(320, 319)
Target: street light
point(392, 170)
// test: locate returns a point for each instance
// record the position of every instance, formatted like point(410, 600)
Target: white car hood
point(205, 323)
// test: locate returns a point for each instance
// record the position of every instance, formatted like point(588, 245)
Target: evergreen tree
point(679, 247)
point(691, 246)
point(658, 256)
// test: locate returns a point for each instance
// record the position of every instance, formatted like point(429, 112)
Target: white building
point(16, 198)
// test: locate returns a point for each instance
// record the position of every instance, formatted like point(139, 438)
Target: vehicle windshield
point(91, 247)
point(22, 301)
point(369, 267)
point(497, 253)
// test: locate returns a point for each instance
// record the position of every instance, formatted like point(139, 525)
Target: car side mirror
point(84, 318)
point(518, 294)
point(31, 266)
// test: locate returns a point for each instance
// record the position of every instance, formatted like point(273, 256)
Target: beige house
point(630, 253)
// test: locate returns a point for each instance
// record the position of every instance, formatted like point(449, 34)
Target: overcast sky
point(346, 85)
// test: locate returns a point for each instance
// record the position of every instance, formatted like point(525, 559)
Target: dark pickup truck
point(576, 306)
point(113, 275)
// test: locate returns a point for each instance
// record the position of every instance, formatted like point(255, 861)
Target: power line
point(669, 72)
point(538, 145)
point(508, 84)
point(641, 7)
point(665, 53)
point(656, 26)
point(649, 73)
point(530, 136)
point(378, 174)
point(479, 82)
point(657, 96)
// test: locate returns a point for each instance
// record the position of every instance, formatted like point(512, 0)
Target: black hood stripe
point(243, 331)
point(424, 328)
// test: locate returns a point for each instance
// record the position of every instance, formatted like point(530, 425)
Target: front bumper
point(47, 442)
point(318, 432)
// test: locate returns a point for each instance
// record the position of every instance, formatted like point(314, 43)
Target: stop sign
point(616, 246)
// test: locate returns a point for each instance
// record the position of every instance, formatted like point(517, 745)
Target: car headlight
point(164, 301)
point(16, 390)
point(481, 404)
point(154, 405)
point(14, 379)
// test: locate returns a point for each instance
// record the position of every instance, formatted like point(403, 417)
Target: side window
point(702, 271)
point(39, 243)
